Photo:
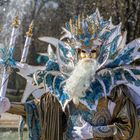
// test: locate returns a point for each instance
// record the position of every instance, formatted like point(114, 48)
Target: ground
point(9, 127)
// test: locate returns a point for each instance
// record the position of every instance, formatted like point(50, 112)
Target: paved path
point(9, 121)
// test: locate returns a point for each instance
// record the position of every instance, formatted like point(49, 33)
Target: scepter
point(5, 76)
point(29, 35)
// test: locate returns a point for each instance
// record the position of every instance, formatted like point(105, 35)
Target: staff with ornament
point(7, 62)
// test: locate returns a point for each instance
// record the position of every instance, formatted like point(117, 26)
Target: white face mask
point(80, 79)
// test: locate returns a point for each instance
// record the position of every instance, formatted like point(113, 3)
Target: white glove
point(84, 132)
point(4, 104)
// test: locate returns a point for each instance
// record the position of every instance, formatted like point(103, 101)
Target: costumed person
point(95, 81)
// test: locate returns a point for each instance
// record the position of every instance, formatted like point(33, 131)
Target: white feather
point(80, 79)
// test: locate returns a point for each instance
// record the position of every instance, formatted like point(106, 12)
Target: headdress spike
point(76, 26)
point(0, 29)
point(98, 14)
point(110, 19)
point(70, 23)
point(79, 22)
point(83, 17)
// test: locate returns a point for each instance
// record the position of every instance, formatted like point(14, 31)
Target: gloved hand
point(84, 132)
point(4, 104)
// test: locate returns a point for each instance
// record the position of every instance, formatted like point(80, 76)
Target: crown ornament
point(83, 32)
point(79, 26)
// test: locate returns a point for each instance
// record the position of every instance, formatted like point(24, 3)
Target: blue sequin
point(63, 49)
point(129, 78)
point(136, 71)
point(42, 59)
point(118, 75)
point(52, 66)
point(114, 45)
point(106, 78)
point(123, 59)
point(87, 42)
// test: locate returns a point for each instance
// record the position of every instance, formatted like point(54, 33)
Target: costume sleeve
point(119, 129)
point(17, 108)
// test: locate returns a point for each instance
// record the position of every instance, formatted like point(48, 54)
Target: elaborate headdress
point(84, 30)
point(88, 33)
